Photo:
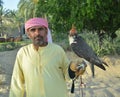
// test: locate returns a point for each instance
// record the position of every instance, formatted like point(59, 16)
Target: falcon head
point(73, 31)
point(72, 34)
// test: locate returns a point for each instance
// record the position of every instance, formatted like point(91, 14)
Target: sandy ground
point(105, 83)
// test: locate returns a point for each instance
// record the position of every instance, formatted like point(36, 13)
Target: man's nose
point(37, 32)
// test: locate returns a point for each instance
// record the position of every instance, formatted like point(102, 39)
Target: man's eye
point(32, 30)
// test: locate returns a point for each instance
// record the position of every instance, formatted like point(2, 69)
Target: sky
point(10, 4)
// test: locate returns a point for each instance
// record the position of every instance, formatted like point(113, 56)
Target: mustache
point(39, 37)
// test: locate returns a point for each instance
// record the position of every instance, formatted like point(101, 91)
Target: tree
point(3, 17)
point(17, 19)
point(103, 17)
point(94, 15)
point(1, 3)
point(27, 8)
point(1, 7)
point(56, 11)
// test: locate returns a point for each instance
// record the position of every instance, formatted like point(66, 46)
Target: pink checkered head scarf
point(36, 22)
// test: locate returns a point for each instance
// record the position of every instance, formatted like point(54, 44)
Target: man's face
point(38, 34)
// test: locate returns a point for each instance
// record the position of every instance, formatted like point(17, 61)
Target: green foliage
point(1, 3)
point(85, 14)
point(10, 21)
point(94, 15)
point(60, 14)
point(61, 39)
point(102, 15)
point(12, 45)
point(107, 48)
point(7, 46)
point(27, 8)
point(117, 42)
point(92, 39)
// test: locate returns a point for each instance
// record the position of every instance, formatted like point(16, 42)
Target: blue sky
point(10, 4)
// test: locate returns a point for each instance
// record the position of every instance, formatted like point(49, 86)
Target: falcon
point(83, 50)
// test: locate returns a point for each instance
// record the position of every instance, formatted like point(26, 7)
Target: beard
point(39, 41)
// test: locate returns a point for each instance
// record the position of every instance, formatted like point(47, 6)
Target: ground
point(105, 84)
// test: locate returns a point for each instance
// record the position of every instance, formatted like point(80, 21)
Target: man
point(41, 68)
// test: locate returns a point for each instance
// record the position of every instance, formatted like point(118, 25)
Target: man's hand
point(78, 68)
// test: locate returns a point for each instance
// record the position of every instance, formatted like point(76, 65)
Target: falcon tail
point(105, 63)
point(101, 65)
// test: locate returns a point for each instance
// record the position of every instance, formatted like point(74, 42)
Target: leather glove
point(78, 68)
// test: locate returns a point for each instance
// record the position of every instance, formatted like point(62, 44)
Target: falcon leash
point(82, 85)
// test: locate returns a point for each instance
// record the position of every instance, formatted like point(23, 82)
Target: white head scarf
point(49, 36)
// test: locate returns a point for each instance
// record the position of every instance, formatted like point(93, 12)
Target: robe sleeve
point(17, 80)
point(65, 65)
